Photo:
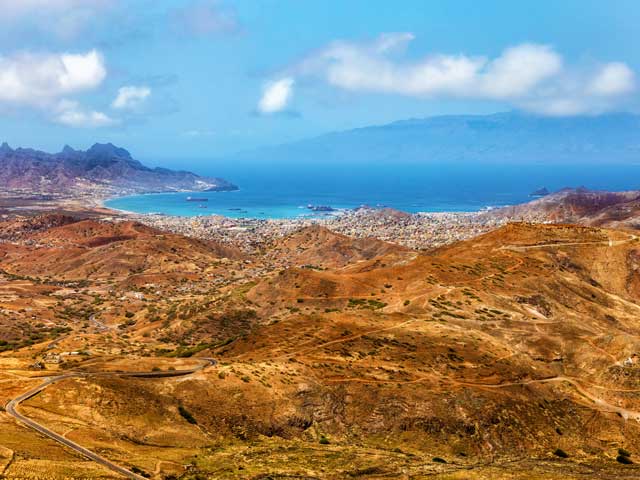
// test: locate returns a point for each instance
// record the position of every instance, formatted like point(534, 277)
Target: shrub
point(186, 415)
point(558, 452)
point(324, 440)
point(624, 460)
point(623, 452)
point(139, 471)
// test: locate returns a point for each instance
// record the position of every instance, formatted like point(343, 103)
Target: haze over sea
point(268, 191)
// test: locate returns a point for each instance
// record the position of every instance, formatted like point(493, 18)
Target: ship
point(197, 199)
point(320, 208)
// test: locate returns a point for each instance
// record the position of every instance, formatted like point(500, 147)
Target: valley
point(513, 354)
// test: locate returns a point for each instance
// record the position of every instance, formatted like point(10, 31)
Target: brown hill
point(316, 246)
point(511, 355)
point(511, 342)
point(582, 206)
point(95, 249)
point(18, 228)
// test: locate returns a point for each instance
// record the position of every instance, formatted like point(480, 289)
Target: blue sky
point(204, 78)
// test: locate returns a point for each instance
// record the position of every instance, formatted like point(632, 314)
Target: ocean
point(272, 191)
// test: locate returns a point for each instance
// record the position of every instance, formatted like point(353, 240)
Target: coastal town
point(416, 231)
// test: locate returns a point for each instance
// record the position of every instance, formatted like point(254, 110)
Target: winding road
point(609, 243)
point(12, 409)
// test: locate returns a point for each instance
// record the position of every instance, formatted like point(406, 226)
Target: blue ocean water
point(272, 191)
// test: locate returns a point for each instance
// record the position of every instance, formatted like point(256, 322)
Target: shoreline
point(337, 212)
point(417, 230)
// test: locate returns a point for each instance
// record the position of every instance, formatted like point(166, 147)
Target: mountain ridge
point(103, 169)
point(499, 137)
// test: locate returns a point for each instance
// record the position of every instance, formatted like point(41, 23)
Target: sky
point(200, 79)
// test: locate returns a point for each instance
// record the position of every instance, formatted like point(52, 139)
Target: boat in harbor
point(320, 208)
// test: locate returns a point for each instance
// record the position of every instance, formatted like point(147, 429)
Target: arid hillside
point(511, 355)
point(317, 247)
point(582, 206)
point(76, 250)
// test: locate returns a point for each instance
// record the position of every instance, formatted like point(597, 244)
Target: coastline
point(419, 231)
point(416, 230)
point(222, 211)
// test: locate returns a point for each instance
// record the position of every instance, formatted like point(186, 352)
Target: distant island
point(509, 138)
point(101, 171)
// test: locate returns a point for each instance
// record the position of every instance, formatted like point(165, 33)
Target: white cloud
point(518, 70)
point(130, 97)
point(529, 76)
point(71, 114)
point(46, 81)
point(613, 79)
point(276, 96)
point(205, 17)
point(38, 80)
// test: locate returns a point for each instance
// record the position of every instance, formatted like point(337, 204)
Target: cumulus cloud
point(39, 79)
point(529, 76)
point(130, 97)
point(276, 96)
point(72, 114)
point(205, 17)
point(604, 88)
point(615, 78)
point(46, 81)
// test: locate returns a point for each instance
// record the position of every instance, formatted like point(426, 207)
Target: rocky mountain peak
point(108, 150)
point(67, 150)
point(5, 148)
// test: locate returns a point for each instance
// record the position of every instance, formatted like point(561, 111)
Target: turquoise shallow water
point(267, 191)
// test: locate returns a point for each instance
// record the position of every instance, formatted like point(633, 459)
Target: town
point(417, 231)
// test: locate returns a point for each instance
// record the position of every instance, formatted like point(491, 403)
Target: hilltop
point(73, 249)
point(103, 169)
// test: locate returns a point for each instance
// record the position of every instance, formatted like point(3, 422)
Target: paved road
point(100, 327)
point(12, 409)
